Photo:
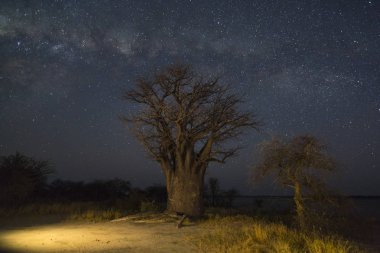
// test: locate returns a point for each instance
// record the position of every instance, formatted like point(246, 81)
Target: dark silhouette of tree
point(216, 197)
point(21, 178)
point(184, 122)
point(213, 185)
point(296, 164)
point(229, 197)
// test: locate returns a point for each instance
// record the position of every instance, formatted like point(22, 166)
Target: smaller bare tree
point(297, 164)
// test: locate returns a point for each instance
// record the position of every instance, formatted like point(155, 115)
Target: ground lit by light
point(99, 237)
point(53, 238)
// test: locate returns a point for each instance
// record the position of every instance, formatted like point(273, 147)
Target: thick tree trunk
point(299, 205)
point(185, 193)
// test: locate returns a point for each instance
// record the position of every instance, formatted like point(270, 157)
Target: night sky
point(302, 67)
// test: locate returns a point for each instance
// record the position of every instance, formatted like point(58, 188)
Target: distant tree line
point(23, 180)
point(99, 190)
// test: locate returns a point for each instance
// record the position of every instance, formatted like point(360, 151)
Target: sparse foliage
point(297, 164)
point(184, 122)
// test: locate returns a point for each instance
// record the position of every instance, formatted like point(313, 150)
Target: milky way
point(302, 66)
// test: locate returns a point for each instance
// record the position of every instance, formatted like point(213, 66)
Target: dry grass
point(245, 234)
point(96, 215)
point(83, 211)
point(150, 217)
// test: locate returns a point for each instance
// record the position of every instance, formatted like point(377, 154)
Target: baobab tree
point(184, 123)
point(297, 164)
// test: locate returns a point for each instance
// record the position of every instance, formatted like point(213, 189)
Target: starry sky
point(302, 67)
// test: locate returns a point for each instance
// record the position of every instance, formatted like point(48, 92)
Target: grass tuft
point(245, 234)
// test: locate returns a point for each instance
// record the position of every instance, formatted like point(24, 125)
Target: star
point(300, 68)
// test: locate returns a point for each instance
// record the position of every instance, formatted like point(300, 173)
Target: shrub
point(22, 179)
point(148, 206)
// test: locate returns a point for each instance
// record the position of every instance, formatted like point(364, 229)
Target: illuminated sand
point(118, 236)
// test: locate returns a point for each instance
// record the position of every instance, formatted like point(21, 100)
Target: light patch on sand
point(99, 237)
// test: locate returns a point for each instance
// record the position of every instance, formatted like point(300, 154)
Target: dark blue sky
point(302, 66)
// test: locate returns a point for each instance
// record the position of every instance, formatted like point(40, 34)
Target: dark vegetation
point(22, 178)
point(24, 184)
point(24, 189)
point(111, 199)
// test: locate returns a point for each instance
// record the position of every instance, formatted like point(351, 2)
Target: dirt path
point(117, 236)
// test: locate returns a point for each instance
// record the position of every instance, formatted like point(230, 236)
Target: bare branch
point(181, 111)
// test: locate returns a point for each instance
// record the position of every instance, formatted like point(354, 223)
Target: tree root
point(179, 224)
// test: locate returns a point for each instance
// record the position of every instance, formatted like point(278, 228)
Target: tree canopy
point(297, 164)
point(184, 115)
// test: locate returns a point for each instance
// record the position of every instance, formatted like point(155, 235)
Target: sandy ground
point(139, 233)
point(123, 235)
